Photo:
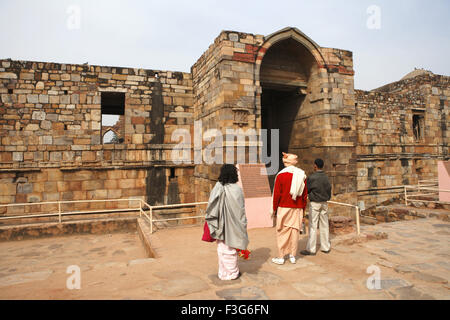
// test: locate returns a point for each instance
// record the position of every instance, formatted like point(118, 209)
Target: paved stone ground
point(414, 263)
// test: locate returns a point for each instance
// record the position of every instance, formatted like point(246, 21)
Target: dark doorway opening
point(113, 113)
point(285, 75)
point(279, 109)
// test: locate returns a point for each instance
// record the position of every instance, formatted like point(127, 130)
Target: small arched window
point(110, 137)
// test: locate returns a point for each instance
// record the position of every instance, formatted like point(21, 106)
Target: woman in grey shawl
point(227, 222)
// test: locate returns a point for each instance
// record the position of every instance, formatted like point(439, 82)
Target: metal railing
point(142, 206)
point(358, 230)
point(60, 212)
point(427, 183)
point(144, 209)
point(434, 181)
point(423, 191)
point(169, 206)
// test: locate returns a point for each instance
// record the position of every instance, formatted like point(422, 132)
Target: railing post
point(406, 200)
point(59, 211)
point(357, 221)
point(140, 208)
point(151, 220)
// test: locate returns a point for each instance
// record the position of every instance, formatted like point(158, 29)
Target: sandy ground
point(413, 263)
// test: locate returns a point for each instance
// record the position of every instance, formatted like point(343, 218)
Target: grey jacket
point(226, 217)
point(319, 187)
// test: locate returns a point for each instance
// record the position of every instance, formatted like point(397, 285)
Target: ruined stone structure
point(284, 81)
point(51, 135)
point(402, 132)
point(51, 122)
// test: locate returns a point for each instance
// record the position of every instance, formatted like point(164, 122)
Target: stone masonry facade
point(51, 144)
point(389, 152)
point(51, 122)
point(228, 92)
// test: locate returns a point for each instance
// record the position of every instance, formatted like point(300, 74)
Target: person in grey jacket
point(227, 222)
point(319, 192)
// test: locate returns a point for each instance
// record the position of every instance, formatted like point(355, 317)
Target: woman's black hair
point(228, 174)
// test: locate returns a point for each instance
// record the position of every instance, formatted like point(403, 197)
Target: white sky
point(172, 35)
point(109, 119)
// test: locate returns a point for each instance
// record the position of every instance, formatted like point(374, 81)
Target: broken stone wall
point(389, 153)
point(50, 131)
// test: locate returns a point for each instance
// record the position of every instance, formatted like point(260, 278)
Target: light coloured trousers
point(318, 214)
point(228, 264)
point(289, 221)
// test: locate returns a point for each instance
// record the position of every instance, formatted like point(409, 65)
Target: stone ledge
point(40, 230)
point(20, 169)
point(144, 235)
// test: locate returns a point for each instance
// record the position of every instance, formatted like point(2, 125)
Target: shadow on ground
point(257, 258)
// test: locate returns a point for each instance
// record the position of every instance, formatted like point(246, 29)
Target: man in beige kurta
point(289, 202)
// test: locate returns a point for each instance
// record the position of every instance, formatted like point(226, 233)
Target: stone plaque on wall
point(257, 194)
point(254, 184)
point(240, 116)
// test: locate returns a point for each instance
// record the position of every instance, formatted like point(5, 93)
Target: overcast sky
point(172, 34)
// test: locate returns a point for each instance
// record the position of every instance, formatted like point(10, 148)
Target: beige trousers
point(289, 221)
point(318, 215)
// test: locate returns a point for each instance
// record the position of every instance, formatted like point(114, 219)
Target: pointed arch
point(288, 66)
point(114, 138)
point(298, 36)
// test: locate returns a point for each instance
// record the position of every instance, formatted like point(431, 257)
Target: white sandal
point(292, 259)
point(278, 260)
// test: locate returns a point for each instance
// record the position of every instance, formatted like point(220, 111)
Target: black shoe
point(326, 251)
point(307, 253)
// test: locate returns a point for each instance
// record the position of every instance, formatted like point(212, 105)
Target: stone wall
point(389, 154)
point(56, 184)
point(328, 122)
point(228, 91)
point(51, 113)
point(224, 91)
point(50, 130)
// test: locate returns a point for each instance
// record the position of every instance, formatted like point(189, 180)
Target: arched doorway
point(286, 75)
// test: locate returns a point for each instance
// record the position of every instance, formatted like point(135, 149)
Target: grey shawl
point(225, 215)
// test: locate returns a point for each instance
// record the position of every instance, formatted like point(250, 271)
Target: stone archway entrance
point(285, 75)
